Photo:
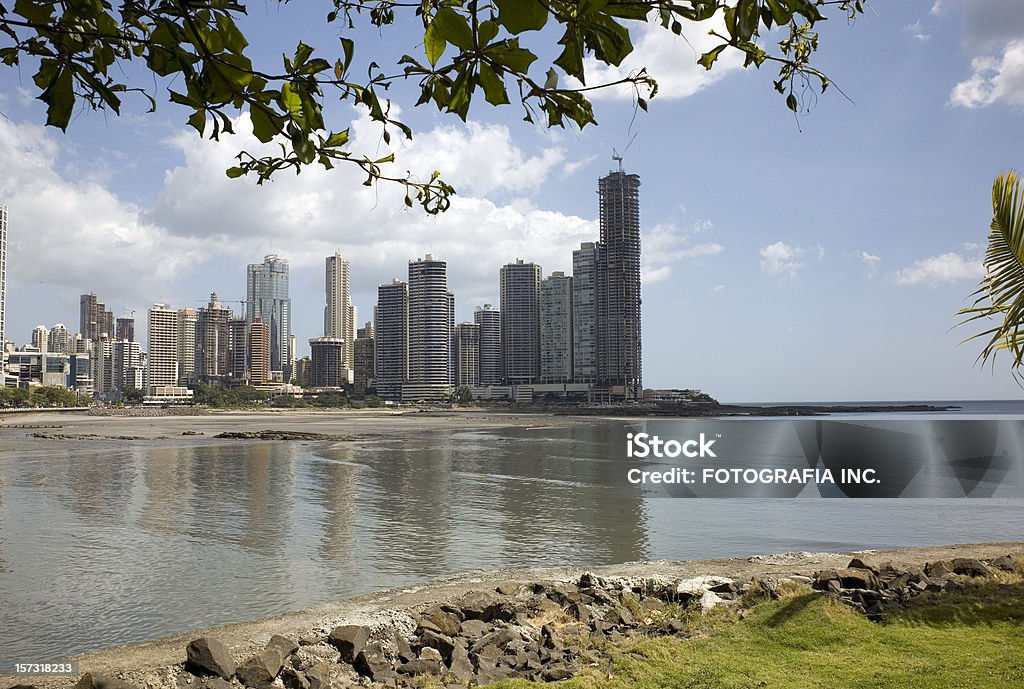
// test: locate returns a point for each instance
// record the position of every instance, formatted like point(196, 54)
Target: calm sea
point(105, 543)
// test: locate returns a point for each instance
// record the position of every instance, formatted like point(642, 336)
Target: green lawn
point(807, 641)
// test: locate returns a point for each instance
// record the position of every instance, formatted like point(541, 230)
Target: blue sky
point(819, 259)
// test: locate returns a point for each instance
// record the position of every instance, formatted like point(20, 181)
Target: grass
point(803, 640)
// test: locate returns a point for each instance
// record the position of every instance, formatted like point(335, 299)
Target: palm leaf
point(1000, 294)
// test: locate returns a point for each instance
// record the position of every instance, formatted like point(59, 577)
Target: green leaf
point(434, 44)
point(522, 15)
point(708, 59)
point(453, 27)
point(509, 55)
point(60, 100)
point(198, 121)
point(235, 172)
point(551, 80)
point(493, 86)
point(34, 11)
point(263, 126)
point(571, 58)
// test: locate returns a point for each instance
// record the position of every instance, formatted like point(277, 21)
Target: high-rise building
point(391, 340)
point(213, 340)
point(520, 322)
point(430, 330)
point(339, 314)
point(556, 329)
point(267, 298)
point(585, 261)
point(162, 354)
point(489, 320)
point(238, 349)
point(328, 356)
point(187, 320)
point(362, 358)
point(58, 340)
point(124, 329)
point(259, 352)
point(127, 364)
point(467, 360)
point(41, 338)
point(3, 277)
point(93, 318)
point(618, 287)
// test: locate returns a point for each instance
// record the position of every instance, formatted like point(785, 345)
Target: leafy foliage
point(1000, 294)
point(469, 46)
point(48, 396)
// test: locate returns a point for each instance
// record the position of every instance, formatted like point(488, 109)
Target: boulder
point(350, 640)
point(403, 649)
point(556, 673)
point(318, 678)
point(939, 569)
point(460, 666)
point(444, 622)
point(1007, 563)
point(431, 654)
point(473, 629)
point(94, 681)
point(478, 605)
point(260, 670)
point(508, 588)
point(420, 666)
point(294, 679)
point(209, 656)
point(857, 563)
point(216, 683)
point(283, 644)
point(969, 566)
point(857, 578)
point(444, 644)
point(371, 662)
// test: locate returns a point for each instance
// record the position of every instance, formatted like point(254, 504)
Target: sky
point(813, 258)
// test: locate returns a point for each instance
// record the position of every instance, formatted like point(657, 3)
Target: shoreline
point(157, 663)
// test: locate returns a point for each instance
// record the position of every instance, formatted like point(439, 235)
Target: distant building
point(124, 329)
point(328, 357)
point(162, 370)
point(94, 318)
point(213, 340)
point(489, 320)
point(391, 340)
point(127, 365)
point(363, 358)
point(41, 338)
point(304, 372)
point(339, 314)
point(3, 276)
point(259, 352)
point(58, 340)
point(520, 322)
point(430, 330)
point(585, 261)
point(238, 350)
point(556, 329)
point(187, 320)
point(467, 360)
point(267, 299)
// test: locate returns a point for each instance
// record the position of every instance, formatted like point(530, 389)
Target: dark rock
point(590, 580)
point(371, 662)
point(857, 563)
point(420, 667)
point(284, 644)
point(260, 670)
point(318, 678)
point(294, 679)
point(444, 622)
point(719, 589)
point(499, 638)
point(1007, 563)
point(441, 642)
point(861, 578)
point(404, 650)
point(209, 656)
point(564, 594)
point(216, 683)
point(556, 673)
point(939, 569)
point(460, 665)
point(350, 640)
point(546, 605)
point(473, 629)
point(676, 626)
point(968, 566)
point(489, 671)
point(478, 605)
point(488, 651)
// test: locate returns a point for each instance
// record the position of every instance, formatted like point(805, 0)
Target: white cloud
point(671, 60)
point(780, 258)
point(949, 267)
point(666, 244)
point(994, 79)
point(917, 31)
point(870, 260)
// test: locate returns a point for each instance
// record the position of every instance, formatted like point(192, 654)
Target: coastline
point(157, 664)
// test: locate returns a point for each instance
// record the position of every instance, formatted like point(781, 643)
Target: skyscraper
point(556, 329)
point(430, 330)
point(520, 322)
point(618, 286)
point(362, 358)
point(339, 314)
point(328, 360)
point(58, 340)
point(94, 318)
point(267, 299)
point(124, 329)
point(260, 347)
point(391, 340)
point(585, 262)
point(186, 345)
point(467, 359)
point(162, 355)
point(212, 339)
point(41, 338)
point(3, 276)
point(489, 320)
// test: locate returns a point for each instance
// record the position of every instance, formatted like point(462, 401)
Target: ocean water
point(105, 543)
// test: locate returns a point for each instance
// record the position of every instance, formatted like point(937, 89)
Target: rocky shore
point(542, 625)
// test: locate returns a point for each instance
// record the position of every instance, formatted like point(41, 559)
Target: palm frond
point(1000, 294)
